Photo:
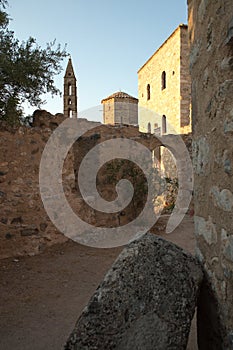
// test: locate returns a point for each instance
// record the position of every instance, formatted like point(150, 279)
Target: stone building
point(120, 108)
point(211, 63)
point(70, 92)
point(164, 87)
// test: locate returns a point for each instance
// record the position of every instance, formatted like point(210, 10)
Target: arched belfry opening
point(70, 92)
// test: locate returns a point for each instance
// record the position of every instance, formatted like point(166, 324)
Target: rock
point(2, 196)
point(2, 178)
point(223, 199)
point(17, 220)
point(9, 235)
point(229, 38)
point(3, 171)
point(43, 226)
point(4, 164)
point(4, 221)
point(44, 119)
point(34, 151)
point(30, 231)
point(146, 301)
point(206, 229)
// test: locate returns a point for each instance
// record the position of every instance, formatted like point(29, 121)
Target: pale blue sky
point(108, 40)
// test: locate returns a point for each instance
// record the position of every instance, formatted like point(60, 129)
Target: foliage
point(171, 192)
point(26, 70)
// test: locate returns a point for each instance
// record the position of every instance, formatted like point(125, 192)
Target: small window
point(148, 92)
point(163, 81)
point(164, 124)
point(70, 113)
point(69, 89)
point(149, 128)
point(70, 102)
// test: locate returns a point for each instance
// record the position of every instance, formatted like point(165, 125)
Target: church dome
point(119, 95)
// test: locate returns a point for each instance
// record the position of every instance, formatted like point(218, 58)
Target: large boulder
point(146, 301)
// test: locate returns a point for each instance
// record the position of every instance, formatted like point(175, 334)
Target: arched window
point(163, 81)
point(164, 124)
point(69, 89)
point(148, 92)
point(70, 113)
point(149, 128)
point(69, 102)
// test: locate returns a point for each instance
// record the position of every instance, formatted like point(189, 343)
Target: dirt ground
point(42, 296)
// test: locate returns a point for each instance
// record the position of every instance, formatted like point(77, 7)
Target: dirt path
point(42, 296)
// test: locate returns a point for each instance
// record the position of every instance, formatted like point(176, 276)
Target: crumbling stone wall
point(211, 63)
point(24, 225)
point(111, 173)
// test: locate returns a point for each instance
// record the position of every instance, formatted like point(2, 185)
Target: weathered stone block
point(200, 156)
point(146, 301)
point(30, 231)
point(206, 229)
point(228, 249)
point(222, 199)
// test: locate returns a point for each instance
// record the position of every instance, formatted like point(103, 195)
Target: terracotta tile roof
point(119, 94)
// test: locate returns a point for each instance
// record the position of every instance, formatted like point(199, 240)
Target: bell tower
point(70, 92)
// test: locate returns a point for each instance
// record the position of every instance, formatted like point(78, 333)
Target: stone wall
point(111, 173)
point(174, 100)
point(211, 63)
point(120, 108)
point(24, 225)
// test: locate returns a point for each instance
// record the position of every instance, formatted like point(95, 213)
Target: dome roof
point(120, 94)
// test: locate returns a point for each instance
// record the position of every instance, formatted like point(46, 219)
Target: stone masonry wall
point(185, 84)
point(109, 112)
point(174, 100)
point(211, 63)
point(111, 173)
point(24, 225)
point(120, 111)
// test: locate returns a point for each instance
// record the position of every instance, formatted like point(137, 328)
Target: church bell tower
point(70, 92)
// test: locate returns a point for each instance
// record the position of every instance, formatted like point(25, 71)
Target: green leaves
point(26, 70)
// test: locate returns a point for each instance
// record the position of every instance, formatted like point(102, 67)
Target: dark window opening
point(70, 113)
point(148, 92)
point(69, 89)
point(163, 81)
point(164, 124)
point(149, 128)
